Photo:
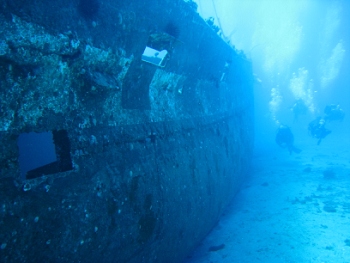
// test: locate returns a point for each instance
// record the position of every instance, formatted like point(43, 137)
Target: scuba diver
point(333, 113)
point(285, 139)
point(299, 108)
point(318, 130)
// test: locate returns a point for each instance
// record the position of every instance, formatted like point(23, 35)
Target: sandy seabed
point(293, 208)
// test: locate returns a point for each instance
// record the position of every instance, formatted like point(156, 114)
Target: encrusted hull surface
point(147, 156)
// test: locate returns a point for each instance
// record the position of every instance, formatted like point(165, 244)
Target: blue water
point(35, 150)
point(295, 206)
point(299, 50)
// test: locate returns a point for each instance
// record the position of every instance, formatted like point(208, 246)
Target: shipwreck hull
point(147, 156)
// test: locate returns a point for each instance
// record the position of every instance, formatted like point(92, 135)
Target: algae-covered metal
point(148, 147)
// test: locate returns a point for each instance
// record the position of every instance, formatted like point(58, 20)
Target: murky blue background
point(299, 50)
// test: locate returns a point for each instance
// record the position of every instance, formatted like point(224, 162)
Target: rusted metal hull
point(147, 156)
